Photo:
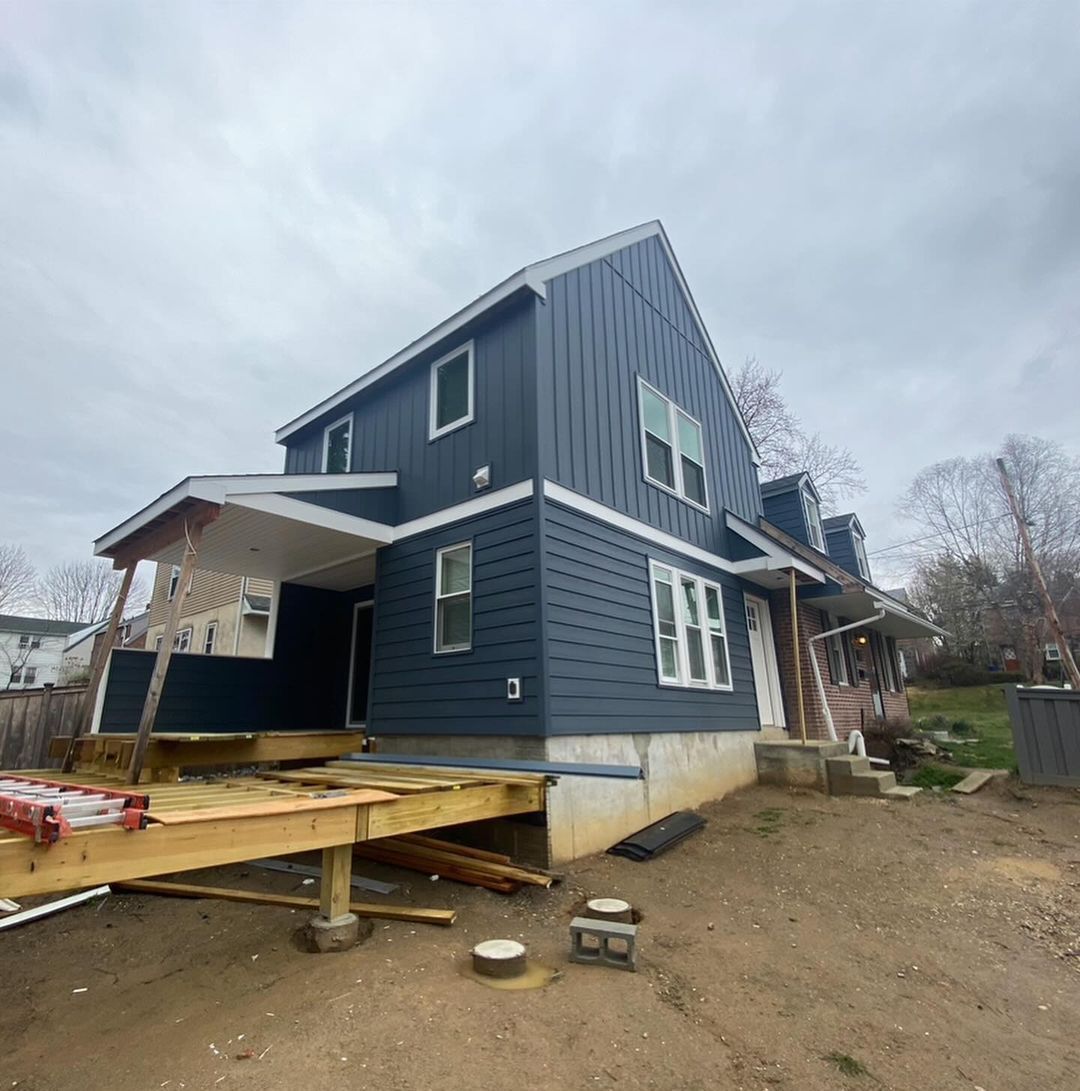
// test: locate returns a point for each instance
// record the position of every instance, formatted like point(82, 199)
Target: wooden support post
point(335, 891)
point(97, 669)
point(164, 653)
point(798, 657)
point(1052, 619)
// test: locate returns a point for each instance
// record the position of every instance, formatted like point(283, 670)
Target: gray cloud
point(211, 216)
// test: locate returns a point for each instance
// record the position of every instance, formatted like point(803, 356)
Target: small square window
point(452, 383)
point(337, 446)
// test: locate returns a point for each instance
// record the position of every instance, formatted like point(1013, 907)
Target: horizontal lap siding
point(415, 691)
point(390, 421)
point(602, 326)
point(600, 644)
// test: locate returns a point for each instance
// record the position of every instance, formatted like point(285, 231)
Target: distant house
point(535, 532)
point(224, 614)
point(132, 631)
point(32, 650)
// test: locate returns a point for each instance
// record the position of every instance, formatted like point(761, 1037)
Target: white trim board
point(273, 503)
point(465, 510)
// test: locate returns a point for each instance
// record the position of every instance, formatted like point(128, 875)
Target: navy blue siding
point(601, 657)
point(390, 420)
point(785, 510)
point(842, 549)
point(381, 505)
point(604, 325)
point(415, 691)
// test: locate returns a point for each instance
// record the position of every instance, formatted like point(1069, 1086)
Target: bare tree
point(17, 578)
point(83, 591)
point(782, 442)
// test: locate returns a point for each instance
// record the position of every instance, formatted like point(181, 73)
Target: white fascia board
point(465, 510)
point(302, 512)
point(776, 556)
point(890, 607)
point(455, 322)
point(240, 486)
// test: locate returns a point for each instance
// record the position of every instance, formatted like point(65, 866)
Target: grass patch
point(846, 1064)
point(935, 776)
point(981, 710)
point(770, 819)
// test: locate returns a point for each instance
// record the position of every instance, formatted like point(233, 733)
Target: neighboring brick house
point(223, 614)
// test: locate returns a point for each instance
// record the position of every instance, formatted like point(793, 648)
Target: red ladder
point(48, 810)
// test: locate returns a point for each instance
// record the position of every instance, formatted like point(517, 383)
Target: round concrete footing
point(499, 958)
point(340, 934)
point(609, 909)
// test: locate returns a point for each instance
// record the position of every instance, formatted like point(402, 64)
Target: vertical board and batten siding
point(785, 510)
point(390, 421)
point(1046, 734)
point(600, 645)
point(603, 325)
point(415, 691)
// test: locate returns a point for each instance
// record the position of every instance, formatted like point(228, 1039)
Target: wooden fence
point(29, 718)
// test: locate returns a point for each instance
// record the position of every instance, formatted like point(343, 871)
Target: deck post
point(193, 536)
point(336, 928)
point(798, 657)
point(97, 670)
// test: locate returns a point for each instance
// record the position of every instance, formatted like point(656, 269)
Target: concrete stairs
point(850, 775)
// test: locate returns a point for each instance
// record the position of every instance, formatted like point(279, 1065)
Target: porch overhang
point(897, 622)
point(772, 569)
point(256, 525)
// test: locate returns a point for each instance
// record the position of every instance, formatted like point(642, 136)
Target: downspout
point(830, 727)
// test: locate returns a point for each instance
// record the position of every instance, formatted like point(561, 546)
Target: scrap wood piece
point(279, 805)
point(659, 837)
point(977, 779)
point(461, 850)
point(531, 876)
point(27, 915)
point(457, 873)
point(408, 913)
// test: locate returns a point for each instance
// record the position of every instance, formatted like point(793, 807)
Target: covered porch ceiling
point(255, 525)
point(898, 621)
point(772, 570)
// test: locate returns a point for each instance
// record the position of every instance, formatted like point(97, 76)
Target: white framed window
point(452, 392)
point(812, 510)
point(157, 642)
point(31, 642)
point(691, 636)
point(29, 675)
point(453, 598)
point(860, 555)
point(337, 446)
point(834, 647)
point(174, 581)
point(672, 447)
point(210, 639)
point(1053, 653)
point(182, 643)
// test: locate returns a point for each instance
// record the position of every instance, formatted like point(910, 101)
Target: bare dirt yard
point(798, 942)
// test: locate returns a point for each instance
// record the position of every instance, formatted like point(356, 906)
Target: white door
point(763, 658)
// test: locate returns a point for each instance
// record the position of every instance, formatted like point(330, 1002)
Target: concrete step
point(848, 765)
point(901, 792)
point(871, 783)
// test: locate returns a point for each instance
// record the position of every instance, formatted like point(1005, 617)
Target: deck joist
point(205, 823)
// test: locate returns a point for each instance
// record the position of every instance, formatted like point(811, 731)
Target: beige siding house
point(223, 614)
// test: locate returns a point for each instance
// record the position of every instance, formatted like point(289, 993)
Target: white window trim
point(435, 432)
point(861, 560)
point(210, 638)
point(813, 524)
point(177, 640)
point(682, 657)
point(674, 409)
point(174, 583)
point(457, 649)
point(836, 641)
point(347, 419)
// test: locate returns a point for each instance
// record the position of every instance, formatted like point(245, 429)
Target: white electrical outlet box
point(513, 689)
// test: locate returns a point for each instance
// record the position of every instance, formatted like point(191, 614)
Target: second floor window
point(174, 581)
point(30, 642)
point(337, 446)
point(813, 521)
point(451, 395)
point(210, 639)
point(860, 556)
point(672, 447)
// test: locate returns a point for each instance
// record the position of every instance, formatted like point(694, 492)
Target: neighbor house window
point(672, 447)
point(182, 643)
point(451, 397)
point(860, 556)
point(691, 637)
point(210, 639)
point(174, 580)
point(29, 675)
point(453, 598)
point(337, 446)
point(30, 642)
point(834, 647)
point(813, 520)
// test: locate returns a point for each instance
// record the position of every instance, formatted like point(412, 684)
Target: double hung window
point(672, 447)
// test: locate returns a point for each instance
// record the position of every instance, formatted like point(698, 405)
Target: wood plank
point(278, 806)
point(369, 851)
point(487, 867)
point(337, 781)
point(451, 846)
point(431, 810)
point(412, 914)
point(485, 776)
point(334, 890)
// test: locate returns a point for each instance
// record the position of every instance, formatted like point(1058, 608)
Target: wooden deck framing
point(198, 824)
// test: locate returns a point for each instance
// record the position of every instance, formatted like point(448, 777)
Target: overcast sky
point(211, 216)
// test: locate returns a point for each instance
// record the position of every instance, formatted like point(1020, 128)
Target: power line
point(937, 534)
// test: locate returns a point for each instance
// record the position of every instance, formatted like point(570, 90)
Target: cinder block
point(603, 954)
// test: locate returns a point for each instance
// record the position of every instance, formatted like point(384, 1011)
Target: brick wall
point(852, 706)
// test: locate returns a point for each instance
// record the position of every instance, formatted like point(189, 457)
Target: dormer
point(847, 544)
point(793, 504)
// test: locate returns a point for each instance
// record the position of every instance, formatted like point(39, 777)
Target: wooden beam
point(97, 669)
point(335, 888)
point(408, 913)
point(164, 653)
point(168, 533)
point(432, 810)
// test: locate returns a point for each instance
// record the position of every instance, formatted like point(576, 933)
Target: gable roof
point(532, 278)
point(790, 483)
point(844, 522)
point(13, 623)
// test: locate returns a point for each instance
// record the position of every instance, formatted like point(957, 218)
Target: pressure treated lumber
point(283, 805)
point(502, 871)
point(458, 873)
point(361, 909)
point(450, 846)
point(334, 890)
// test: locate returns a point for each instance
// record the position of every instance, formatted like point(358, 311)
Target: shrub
point(944, 670)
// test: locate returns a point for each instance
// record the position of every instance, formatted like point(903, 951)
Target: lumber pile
point(491, 870)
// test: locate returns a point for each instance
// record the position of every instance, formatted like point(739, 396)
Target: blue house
point(536, 532)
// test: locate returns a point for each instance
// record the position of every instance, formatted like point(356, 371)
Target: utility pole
point(1052, 619)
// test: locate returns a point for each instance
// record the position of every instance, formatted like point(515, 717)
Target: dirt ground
point(798, 942)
